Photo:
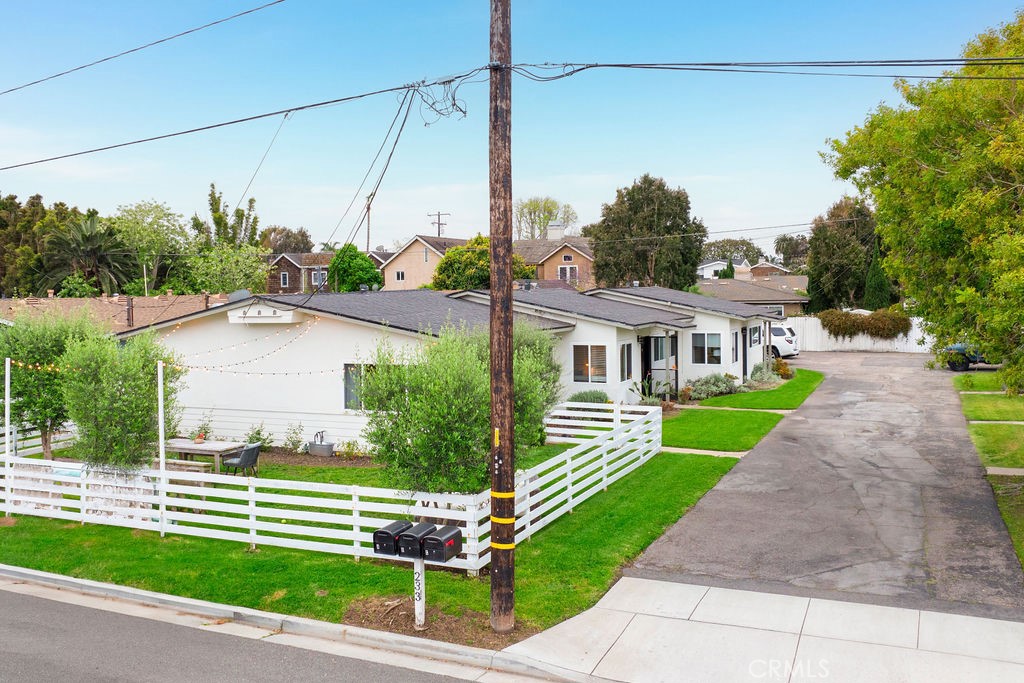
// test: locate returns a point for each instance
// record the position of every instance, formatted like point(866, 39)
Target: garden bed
point(788, 396)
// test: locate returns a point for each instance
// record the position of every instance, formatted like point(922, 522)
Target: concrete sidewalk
point(645, 630)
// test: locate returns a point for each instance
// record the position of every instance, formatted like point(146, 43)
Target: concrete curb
point(698, 451)
point(356, 635)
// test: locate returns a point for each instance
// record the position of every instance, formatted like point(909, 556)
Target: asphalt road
point(43, 640)
point(871, 490)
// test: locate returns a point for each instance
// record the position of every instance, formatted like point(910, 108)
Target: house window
point(707, 348)
point(567, 257)
point(657, 349)
point(625, 362)
point(755, 336)
point(735, 347)
point(284, 280)
point(567, 273)
point(776, 308)
point(426, 255)
point(353, 379)
point(317, 277)
point(589, 363)
point(399, 275)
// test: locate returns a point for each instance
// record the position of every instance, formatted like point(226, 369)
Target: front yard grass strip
point(717, 430)
point(999, 445)
point(978, 381)
point(1009, 492)
point(788, 396)
point(992, 407)
point(562, 571)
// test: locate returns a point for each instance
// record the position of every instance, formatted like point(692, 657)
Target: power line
point(137, 49)
point(241, 197)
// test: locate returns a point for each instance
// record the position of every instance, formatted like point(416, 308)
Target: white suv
point(784, 343)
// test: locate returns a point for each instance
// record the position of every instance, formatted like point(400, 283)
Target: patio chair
point(247, 460)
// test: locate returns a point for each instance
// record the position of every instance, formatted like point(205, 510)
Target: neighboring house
point(707, 270)
point(765, 269)
point(379, 256)
point(568, 259)
point(413, 265)
point(778, 300)
point(114, 313)
point(298, 273)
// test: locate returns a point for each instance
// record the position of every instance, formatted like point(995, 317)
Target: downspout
point(743, 341)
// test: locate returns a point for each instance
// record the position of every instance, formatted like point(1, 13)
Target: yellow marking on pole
point(503, 520)
point(503, 494)
point(503, 546)
point(497, 437)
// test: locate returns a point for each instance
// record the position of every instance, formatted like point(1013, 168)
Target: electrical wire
point(260, 165)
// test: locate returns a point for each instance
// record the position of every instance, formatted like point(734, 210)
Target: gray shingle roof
point(535, 251)
point(574, 303)
point(748, 291)
point(695, 301)
point(416, 310)
point(442, 244)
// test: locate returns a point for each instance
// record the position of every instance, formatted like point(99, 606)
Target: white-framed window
point(657, 349)
point(755, 335)
point(353, 378)
point(735, 346)
point(625, 362)
point(399, 276)
point(317, 277)
point(589, 363)
point(567, 258)
point(284, 280)
point(706, 348)
point(567, 273)
point(426, 255)
point(776, 308)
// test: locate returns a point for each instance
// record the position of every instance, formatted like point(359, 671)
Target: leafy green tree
point(837, 254)
point(728, 248)
point(429, 408)
point(878, 290)
point(227, 227)
point(281, 240)
point(111, 395)
point(225, 268)
point(153, 234)
point(36, 344)
point(350, 268)
point(76, 286)
point(90, 248)
point(792, 249)
point(531, 217)
point(945, 172)
point(24, 232)
point(469, 266)
point(729, 272)
point(647, 235)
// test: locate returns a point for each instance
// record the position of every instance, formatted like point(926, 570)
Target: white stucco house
point(708, 270)
point(289, 359)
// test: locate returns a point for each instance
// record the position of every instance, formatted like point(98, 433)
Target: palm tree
point(89, 248)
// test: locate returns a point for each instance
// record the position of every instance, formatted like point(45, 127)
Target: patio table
point(217, 449)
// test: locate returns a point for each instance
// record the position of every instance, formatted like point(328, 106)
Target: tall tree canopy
point(225, 226)
point(792, 249)
point(154, 234)
point(727, 248)
point(533, 216)
point(469, 266)
point(90, 248)
point(838, 253)
point(281, 240)
point(946, 174)
point(24, 231)
point(350, 268)
point(647, 235)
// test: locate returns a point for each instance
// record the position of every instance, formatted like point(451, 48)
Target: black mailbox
point(385, 539)
point(443, 544)
point(410, 542)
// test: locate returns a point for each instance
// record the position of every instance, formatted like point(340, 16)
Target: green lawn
point(987, 407)
point(717, 430)
point(978, 381)
point(999, 445)
point(1009, 492)
point(785, 397)
point(554, 579)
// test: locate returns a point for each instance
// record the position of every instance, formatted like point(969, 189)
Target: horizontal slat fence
point(612, 441)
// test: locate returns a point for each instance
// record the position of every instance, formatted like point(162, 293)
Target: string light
point(268, 354)
point(250, 373)
point(244, 344)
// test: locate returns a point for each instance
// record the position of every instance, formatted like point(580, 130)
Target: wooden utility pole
point(438, 222)
point(503, 502)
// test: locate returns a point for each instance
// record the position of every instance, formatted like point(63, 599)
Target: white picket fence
point(812, 336)
point(330, 517)
point(30, 442)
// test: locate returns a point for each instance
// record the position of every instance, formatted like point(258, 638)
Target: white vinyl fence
point(811, 336)
point(612, 441)
point(30, 443)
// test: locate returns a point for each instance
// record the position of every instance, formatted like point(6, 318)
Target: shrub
point(782, 369)
point(885, 323)
point(589, 396)
point(259, 434)
point(765, 374)
point(204, 427)
point(711, 385)
point(293, 439)
point(349, 449)
point(111, 395)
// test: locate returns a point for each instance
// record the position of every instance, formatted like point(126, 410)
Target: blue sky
point(746, 147)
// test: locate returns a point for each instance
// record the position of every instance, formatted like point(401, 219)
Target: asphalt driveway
point(872, 490)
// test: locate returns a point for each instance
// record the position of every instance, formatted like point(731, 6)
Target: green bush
point(293, 440)
point(259, 434)
point(764, 374)
point(589, 396)
point(111, 395)
point(429, 407)
point(711, 385)
point(885, 323)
